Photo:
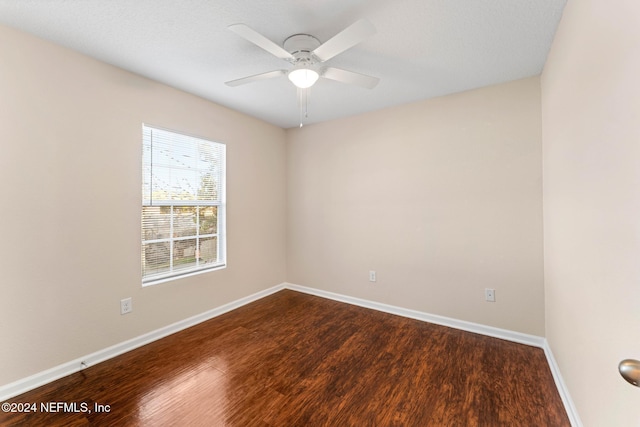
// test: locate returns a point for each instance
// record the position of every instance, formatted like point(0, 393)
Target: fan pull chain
point(303, 104)
point(300, 105)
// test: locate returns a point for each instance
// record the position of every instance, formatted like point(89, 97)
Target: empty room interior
point(442, 229)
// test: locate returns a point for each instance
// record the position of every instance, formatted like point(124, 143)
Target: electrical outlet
point(490, 295)
point(372, 276)
point(126, 306)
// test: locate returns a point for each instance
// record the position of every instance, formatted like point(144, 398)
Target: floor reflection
point(197, 396)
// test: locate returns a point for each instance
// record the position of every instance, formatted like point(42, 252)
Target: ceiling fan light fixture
point(303, 77)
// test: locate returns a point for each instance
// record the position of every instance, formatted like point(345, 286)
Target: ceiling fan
point(307, 56)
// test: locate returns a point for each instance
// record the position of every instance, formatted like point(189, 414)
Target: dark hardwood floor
point(292, 359)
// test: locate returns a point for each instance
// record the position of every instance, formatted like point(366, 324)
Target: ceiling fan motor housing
point(301, 47)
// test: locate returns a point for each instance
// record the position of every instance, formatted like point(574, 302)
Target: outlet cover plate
point(126, 306)
point(490, 295)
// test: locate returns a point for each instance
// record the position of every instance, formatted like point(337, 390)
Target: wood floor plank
point(292, 359)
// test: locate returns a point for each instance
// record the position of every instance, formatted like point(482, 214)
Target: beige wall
point(443, 198)
point(591, 146)
point(70, 154)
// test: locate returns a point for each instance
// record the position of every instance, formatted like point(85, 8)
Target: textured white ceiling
point(422, 48)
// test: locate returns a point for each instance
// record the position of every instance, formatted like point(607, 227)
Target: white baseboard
point(41, 378)
point(572, 413)
point(23, 385)
point(477, 328)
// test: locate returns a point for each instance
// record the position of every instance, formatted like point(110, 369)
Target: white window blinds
point(183, 205)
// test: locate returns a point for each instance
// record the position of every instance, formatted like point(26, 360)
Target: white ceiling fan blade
point(256, 77)
point(259, 40)
point(349, 37)
point(349, 77)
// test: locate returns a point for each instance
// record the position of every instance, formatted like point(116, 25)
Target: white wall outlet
point(126, 306)
point(490, 295)
point(372, 276)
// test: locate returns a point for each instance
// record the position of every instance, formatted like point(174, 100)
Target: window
point(183, 205)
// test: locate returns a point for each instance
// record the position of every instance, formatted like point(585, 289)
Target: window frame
point(219, 233)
